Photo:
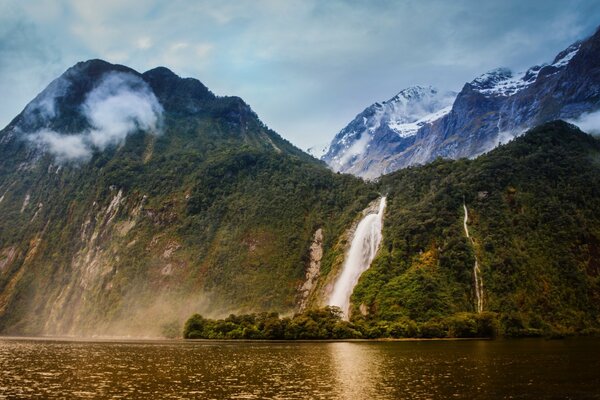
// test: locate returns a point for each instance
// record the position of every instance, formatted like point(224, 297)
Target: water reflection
point(527, 369)
point(356, 369)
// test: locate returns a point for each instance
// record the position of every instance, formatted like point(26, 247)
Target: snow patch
point(502, 81)
point(408, 129)
point(414, 107)
point(357, 148)
point(563, 58)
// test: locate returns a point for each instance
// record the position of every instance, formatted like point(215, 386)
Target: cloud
point(120, 105)
point(307, 67)
point(588, 122)
point(43, 106)
point(358, 147)
point(64, 147)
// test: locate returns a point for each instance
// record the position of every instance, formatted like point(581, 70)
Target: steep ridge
point(533, 212)
point(126, 208)
point(490, 110)
point(130, 200)
point(385, 127)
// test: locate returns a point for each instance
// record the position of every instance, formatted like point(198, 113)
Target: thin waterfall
point(363, 249)
point(476, 271)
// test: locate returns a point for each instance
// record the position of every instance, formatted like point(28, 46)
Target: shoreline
point(125, 339)
point(159, 340)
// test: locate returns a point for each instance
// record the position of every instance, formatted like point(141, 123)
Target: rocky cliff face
point(129, 201)
point(385, 127)
point(492, 109)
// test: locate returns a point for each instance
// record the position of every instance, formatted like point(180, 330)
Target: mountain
point(492, 109)
point(385, 127)
point(130, 200)
point(534, 227)
point(506, 243)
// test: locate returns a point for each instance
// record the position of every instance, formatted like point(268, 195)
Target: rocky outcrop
point(313, 270)
point(490, 110)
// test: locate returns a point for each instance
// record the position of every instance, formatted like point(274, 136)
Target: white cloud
point(588, 122)
point(120, 105)
point(358, 147)
point(144, 43)
point(64, 147)
point(306, 66)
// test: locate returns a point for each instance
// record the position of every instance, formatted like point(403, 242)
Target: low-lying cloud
point(120, 105)
point(588, 122)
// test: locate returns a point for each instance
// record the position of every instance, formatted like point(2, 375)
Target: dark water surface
point(519, 369)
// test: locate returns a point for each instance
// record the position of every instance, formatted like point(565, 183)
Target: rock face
point(313, 270)
point(129, 201)
point(385, 127)
point(491, 110)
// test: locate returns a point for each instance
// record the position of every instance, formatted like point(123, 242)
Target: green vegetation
point(218, 213)
point(326, 323)
point(533, 215)
point(533, 207)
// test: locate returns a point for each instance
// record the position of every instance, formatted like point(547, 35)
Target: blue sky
point(306, 67)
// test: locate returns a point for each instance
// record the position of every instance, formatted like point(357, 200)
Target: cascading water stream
point(476, 271)
point(363, 249)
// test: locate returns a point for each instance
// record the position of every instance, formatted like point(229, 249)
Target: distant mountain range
point(420, 124)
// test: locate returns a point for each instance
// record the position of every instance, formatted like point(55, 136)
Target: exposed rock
point(489, 111)
point(313, 270)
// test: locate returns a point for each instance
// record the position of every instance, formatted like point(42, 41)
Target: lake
point(479, 369)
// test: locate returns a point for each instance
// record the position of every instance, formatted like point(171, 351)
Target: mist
point(588, 122)
point(120, 105)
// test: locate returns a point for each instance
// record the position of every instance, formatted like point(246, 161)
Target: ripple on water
point(354, 370)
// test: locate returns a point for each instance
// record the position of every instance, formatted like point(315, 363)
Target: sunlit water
point(522, 369)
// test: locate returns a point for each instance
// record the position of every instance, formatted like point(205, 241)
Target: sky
point(305, 67)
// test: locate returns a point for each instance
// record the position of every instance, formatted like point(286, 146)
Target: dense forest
point(533, 215)
point(326, 323)
point(214, 213)
point(535, 226)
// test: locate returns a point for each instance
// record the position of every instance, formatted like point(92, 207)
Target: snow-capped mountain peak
point(399, 117)
point(415, 106)
point(420, 124)
point(503, 82)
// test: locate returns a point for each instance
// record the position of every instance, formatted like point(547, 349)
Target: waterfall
point(363, 249)
point(476, 271)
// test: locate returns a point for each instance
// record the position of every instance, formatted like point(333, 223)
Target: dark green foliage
point(325, 323)
point(218, 202)
point(533, 215)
